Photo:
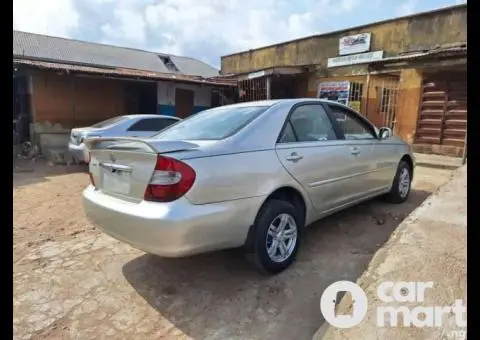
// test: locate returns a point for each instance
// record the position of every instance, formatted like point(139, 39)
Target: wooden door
point(443, 115)
point(183, 102)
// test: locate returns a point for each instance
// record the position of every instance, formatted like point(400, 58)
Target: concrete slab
point(430, 245)
point(437, 161)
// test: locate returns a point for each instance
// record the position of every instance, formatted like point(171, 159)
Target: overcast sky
point(204, 29)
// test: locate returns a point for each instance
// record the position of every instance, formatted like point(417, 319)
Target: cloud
point(406, 8)
point(128, 26)
point(55, 17)
point(204, 29)
point(236, 24)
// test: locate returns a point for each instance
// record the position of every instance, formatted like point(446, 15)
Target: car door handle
point(294, 157)
point(355, 151)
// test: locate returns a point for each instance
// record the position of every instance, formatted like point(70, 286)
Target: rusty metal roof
point(458, 49)
point(62, 50)
point(124, 72)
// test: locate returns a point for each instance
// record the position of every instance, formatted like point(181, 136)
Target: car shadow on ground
point(219, 295)
point(30, 172)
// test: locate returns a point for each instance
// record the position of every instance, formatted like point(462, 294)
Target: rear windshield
point(213, 124)
point(108, 122)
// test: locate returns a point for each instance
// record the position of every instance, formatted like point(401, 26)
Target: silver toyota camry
point(246, 175)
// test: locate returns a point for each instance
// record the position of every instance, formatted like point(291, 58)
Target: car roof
point(292, 101)
point(150, 116)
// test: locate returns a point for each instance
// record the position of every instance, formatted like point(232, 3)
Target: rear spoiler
point(128, 143)
point(96, 142)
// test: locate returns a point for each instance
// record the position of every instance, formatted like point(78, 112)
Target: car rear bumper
point(77, 152)
point(173, 229)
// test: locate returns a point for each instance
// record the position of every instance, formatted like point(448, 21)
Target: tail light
point(170, 181)
point(92, 181)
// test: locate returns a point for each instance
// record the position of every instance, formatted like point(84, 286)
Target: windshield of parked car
point(213, 124)
point(108, 122)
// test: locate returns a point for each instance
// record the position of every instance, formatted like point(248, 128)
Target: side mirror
point(385, 132)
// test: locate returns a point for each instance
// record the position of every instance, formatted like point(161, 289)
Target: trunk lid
point(123, 167)
point(77, 134)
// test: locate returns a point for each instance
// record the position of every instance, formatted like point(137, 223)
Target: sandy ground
point(73, 282)
point(430, 245)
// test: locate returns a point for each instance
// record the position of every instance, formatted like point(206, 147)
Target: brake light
point(170, 181)
point(92, 181)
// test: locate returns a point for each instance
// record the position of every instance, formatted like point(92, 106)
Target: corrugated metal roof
point(42, 47)
point(215, 81)
point(436, 52)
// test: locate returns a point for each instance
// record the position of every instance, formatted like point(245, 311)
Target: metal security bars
point(252, 89)
point(388, 93)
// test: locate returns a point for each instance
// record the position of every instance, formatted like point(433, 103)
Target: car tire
point(402, 184)
point(268, 236)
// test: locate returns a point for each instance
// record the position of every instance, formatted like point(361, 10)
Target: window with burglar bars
point(355, 96)
point(356, 92)
point(388, 104)
point(252, 89)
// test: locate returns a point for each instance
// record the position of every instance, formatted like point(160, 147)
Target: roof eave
point(118, 73)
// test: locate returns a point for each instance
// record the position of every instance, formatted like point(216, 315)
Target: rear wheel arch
point(287, 194)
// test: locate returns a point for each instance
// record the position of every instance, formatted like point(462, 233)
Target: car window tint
point(352, 127)
point(310, 123)
point(287, 136)
point(151, 124)
point(167, 122)
point(213, 124)
point(109, 122)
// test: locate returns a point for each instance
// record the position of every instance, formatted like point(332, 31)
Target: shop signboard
point(353, 59)
point(337, 91)
point(353, 44)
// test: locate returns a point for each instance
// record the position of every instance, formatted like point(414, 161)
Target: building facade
point(60, 84)
point(407, 73)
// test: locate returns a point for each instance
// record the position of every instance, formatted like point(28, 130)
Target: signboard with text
point(257, 74)
point(337, 91)
point(354, 44)
point(353, 59)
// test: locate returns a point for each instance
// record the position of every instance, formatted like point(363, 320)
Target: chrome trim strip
point(119, 167)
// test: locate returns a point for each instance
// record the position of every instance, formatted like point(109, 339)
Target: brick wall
point(74, 101)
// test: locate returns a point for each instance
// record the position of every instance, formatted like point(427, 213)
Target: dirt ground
point(73, 282)
point(428, 246)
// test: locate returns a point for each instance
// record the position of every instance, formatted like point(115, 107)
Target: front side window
point(308, 123)
point(213, 124)
point(352, 127)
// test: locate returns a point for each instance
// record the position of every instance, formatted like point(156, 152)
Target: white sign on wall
point(354, 44)
point(254, 75)
point(361, 58)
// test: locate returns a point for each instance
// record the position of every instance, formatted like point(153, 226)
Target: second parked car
point(120, 126)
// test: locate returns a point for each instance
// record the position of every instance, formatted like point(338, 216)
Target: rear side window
point(214, 124)
point(308, 123)
point(109, 122)
point(151, 124)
